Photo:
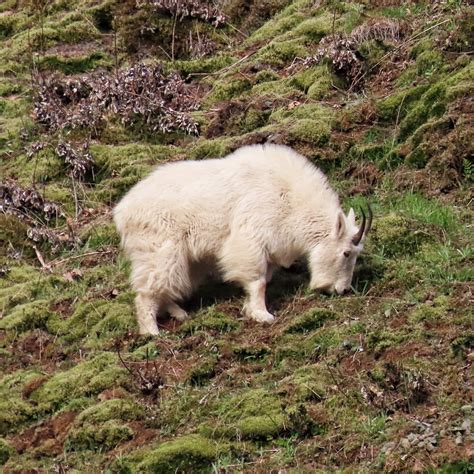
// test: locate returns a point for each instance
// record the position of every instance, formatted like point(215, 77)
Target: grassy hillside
point(94, 94)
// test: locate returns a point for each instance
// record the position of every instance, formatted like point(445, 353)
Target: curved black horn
point(357, 238)
point(369, 221)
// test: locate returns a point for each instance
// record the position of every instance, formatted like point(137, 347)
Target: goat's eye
point(347, 254)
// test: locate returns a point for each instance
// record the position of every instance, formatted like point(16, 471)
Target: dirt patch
point(407, 351)
point(48, 437)
point(365, 175)
point(73, 50)
point(33, 385)
point(142, 437)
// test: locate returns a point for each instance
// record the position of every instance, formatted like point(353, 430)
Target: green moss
point(211, 320)
point(93, 324)
point(227, 89)
point(305, 384)
point(431, 104)
point(75, 64)
point(435, 310)
point(77, 31)
point(282, 22)
point(379, 340)
point(13, 234)
point(99, 236)
point(429, 62)
point(282, 52)
point(14, 410)
point(460, 83)
point(394, 235)
point(418, 158)
point(309, 321)
point(84, 379)
point(315, 28)
point(204, 370)
point(40, 287)
point(254, 414)
point(399, 103)
point(315, 82)
point(34, 315)
point(190, 453)
point(266, 75)
point(202, 65)
point(276, 88)
point(314, 132)
point(5, 451)
point(251, 351)
point(216, 148)
point(98, 438)
point(9, 88)
point(118, 409)
point(294, 347)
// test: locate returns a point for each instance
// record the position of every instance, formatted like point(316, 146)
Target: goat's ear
point(351, 216)
point(340, 225)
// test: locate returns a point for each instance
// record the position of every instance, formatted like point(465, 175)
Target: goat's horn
point(369, 221)
point(357, 238)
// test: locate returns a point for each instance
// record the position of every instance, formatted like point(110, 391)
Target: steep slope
point(94, 94)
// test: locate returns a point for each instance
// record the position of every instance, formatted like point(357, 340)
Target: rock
point(466, 408)
point(458, 440)
point(430, 447)
point(405, 443)
point(412, 437)
point(466, 426)
point(387, 447)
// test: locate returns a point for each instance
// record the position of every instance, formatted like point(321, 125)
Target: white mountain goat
point(259, 208)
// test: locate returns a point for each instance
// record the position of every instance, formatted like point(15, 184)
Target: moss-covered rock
point(397, 105)
point(284, 21)
point(305, 384)
point(228, 88)
point(75, 64)
point(94, 323)
point(394, 235)
point(210, 320)
point(429, 62)
point(203, 370)
point(192, 453)
point(431, 104)
point(104, 437)
point(312, 319)
point(315, 82)
point(5, 451)
point(429, 312)
point(119, 409)
point(314, 132)
point(14, 410)
point(280, 53)
point(315, 28)
point(254, 414)
point(210, 149)
point(84, 379)
point(34, 315)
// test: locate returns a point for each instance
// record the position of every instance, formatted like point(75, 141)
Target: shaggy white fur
point(261, 207)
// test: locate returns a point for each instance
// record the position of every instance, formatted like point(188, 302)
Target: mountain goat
point(259, 208)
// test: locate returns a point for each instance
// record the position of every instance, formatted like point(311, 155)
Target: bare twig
point(402, 45)
point(41, 260)
point(225, 69)
point(74, 257)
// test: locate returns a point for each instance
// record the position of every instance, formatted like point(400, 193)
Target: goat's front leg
point(255, 307)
